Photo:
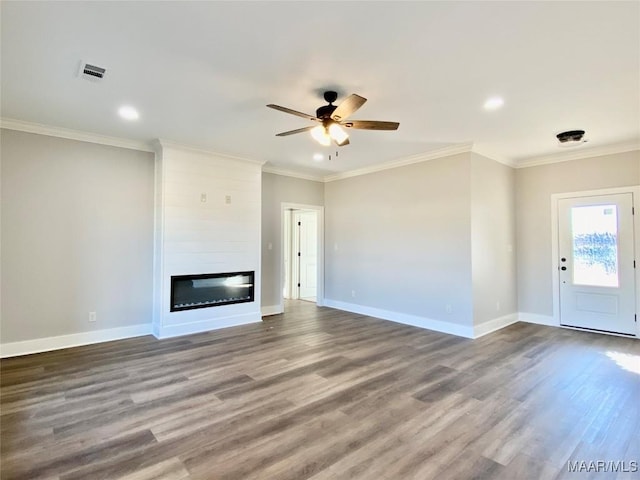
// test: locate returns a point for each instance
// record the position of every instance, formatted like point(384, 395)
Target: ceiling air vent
point(91, 72)
point(571, 138)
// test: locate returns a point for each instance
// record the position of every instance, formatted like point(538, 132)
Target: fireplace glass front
point(211, 290)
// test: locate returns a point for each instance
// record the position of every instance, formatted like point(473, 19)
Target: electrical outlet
point(448, 308)
point(92, 316)
point(227, 199)
point(353, 294)
point(203, 197)
point(498, 305)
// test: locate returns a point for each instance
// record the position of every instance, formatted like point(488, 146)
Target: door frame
point(555, 238)
point(284, 207)
point(296, 257)
point(290, 238)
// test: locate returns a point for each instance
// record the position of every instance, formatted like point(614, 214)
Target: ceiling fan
point(332, 118)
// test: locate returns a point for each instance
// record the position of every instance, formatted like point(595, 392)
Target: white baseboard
point(271, 310)
point(27, 347)
point(167, 331)
point(550, 321)
point(413, 320)
point(37, 345)
point(538, 319)
point(495, 324)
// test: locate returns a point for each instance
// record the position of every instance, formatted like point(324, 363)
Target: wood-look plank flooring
point(322, 394)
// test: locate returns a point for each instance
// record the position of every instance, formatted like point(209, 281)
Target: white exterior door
point(596, 263)
point(308, 253)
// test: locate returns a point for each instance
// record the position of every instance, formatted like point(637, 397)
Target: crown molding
point(153, 147)
point(492, 156)
point(291, 173)
point(177, 146)
point(611, 149)
point(40, 129)
point(421, 157)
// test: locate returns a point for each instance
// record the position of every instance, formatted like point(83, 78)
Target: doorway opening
point(594, 245)
point(302, 268)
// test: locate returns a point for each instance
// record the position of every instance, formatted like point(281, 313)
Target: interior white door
point(308, 235)
point(596, 263)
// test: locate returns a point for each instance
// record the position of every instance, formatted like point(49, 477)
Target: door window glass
point(595, 245)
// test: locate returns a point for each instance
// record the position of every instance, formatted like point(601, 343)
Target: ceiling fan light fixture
point(321, 135)
point(338, 134)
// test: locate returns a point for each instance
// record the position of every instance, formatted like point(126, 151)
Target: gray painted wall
point(77, 231)
point(400, 239)
point(277, 189)
point(493, 239)
point(534, 186)
point(77, 236)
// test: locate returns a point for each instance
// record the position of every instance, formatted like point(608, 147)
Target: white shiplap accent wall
point(194, 237)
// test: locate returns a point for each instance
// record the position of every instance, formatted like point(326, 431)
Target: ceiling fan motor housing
point(325, 111)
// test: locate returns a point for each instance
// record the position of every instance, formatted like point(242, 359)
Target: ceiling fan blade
point(349, 105)
point(293, 132)
point(371, 125)
point(293, 112)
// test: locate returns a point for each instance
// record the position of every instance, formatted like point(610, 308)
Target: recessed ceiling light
point(318, 157)
point(128, 113)
point(493, 103)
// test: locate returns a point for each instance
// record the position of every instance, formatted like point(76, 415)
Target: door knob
point(563, 268)
point(563, 259)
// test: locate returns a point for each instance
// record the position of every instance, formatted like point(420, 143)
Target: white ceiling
point(201, 73)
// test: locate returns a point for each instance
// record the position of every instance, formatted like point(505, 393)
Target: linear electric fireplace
point(210, 290)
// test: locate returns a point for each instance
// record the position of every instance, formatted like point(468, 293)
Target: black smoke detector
point(571, 136)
